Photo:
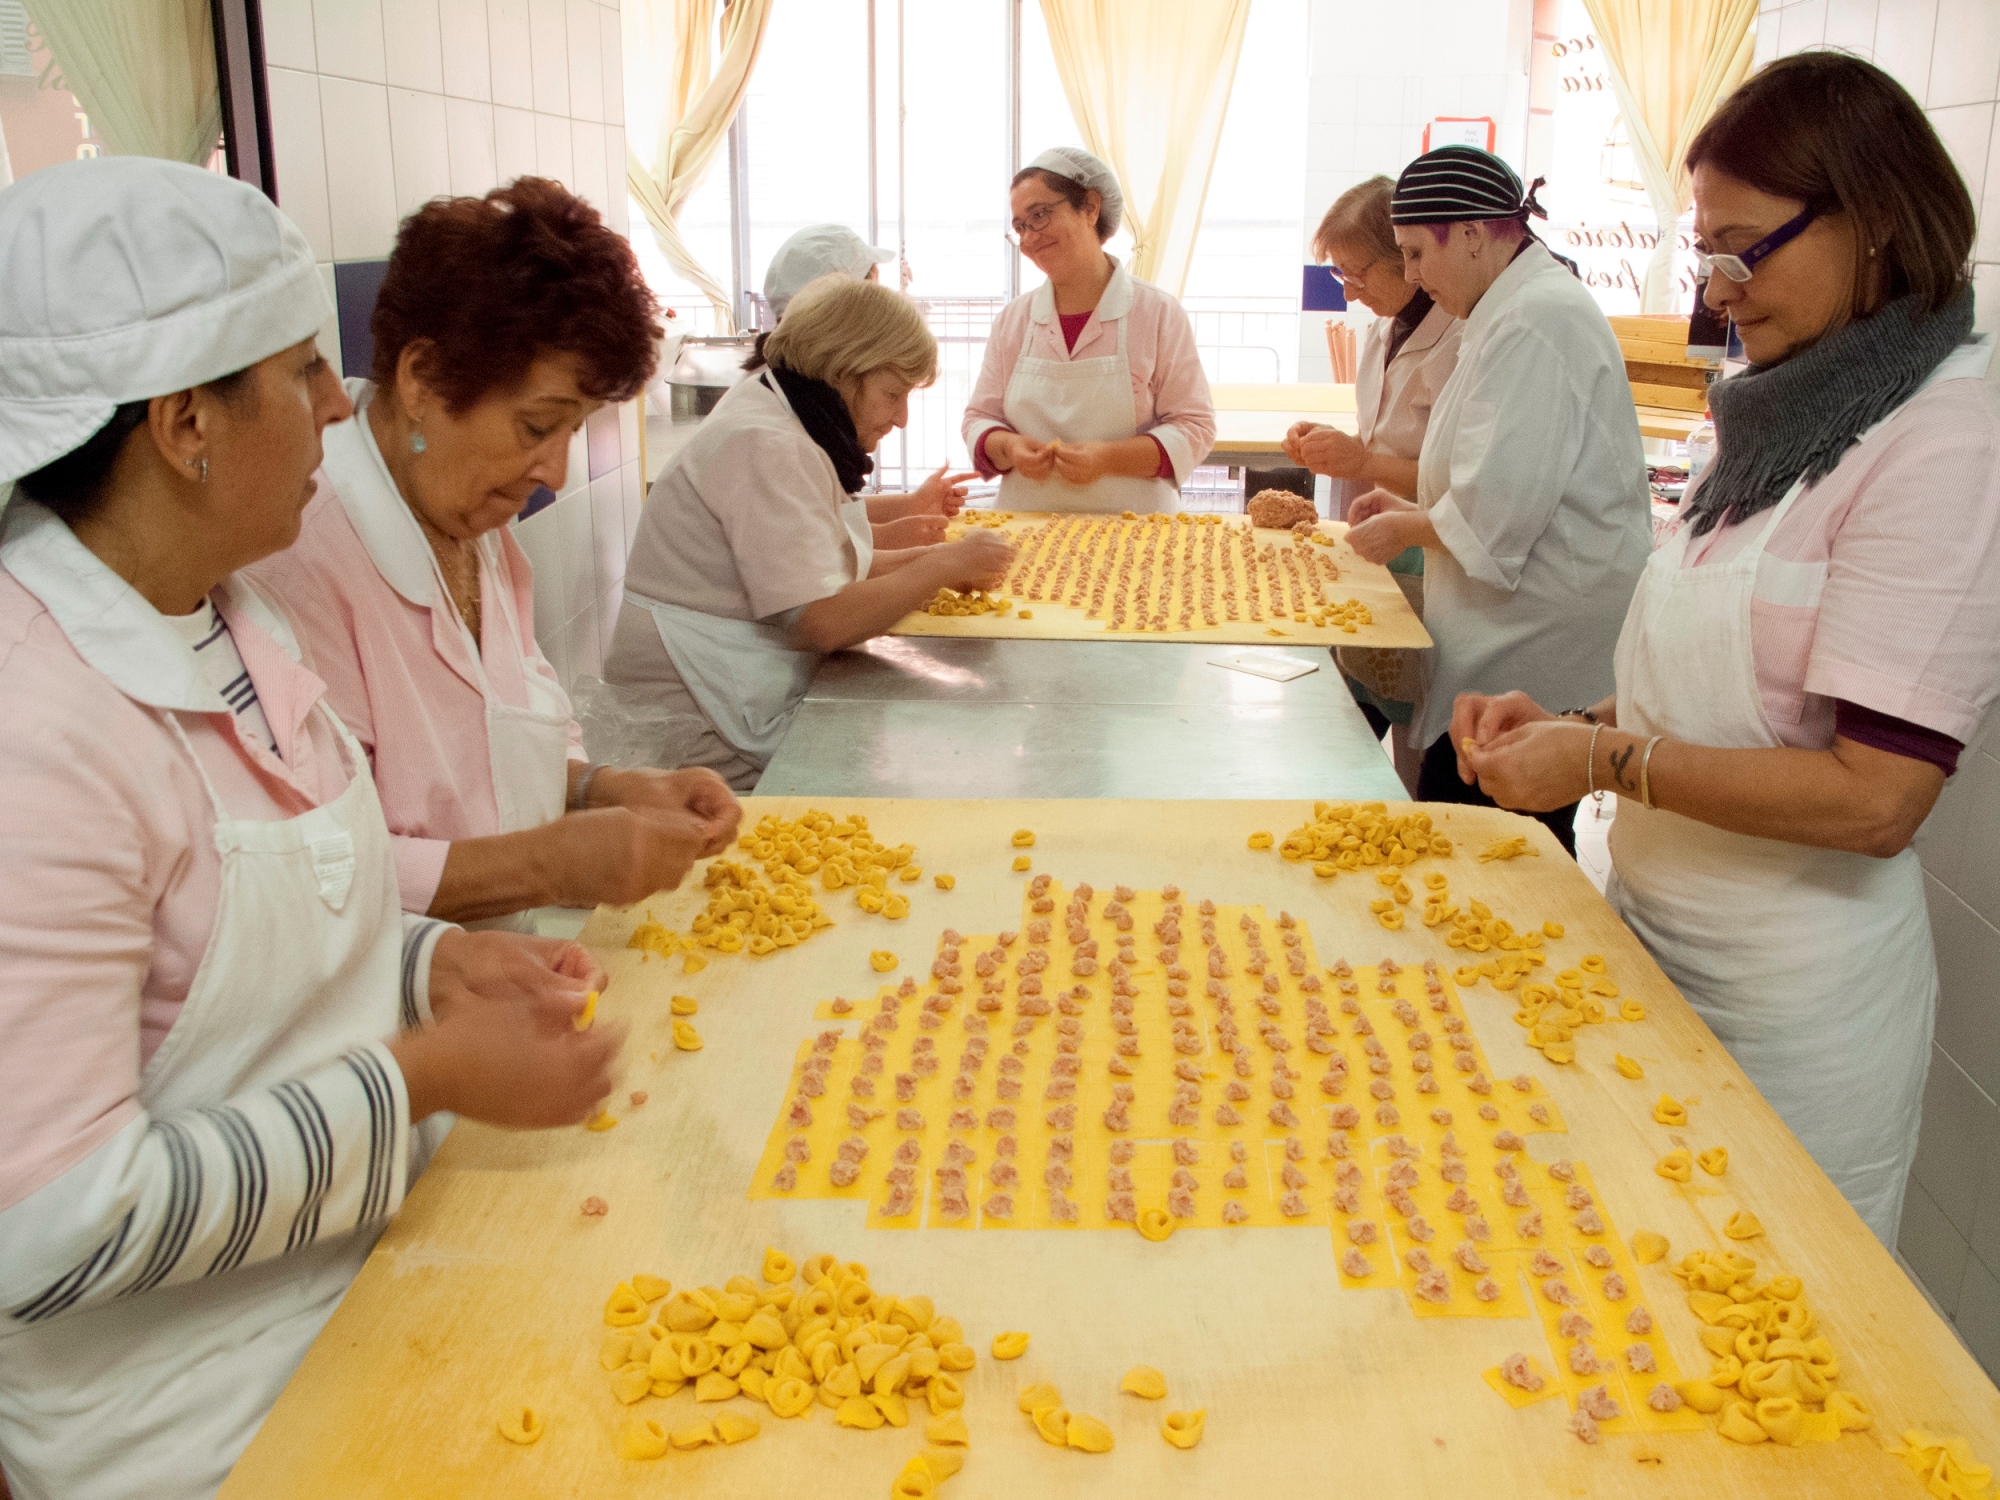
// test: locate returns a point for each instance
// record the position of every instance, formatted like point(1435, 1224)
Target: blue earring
point(417, 443)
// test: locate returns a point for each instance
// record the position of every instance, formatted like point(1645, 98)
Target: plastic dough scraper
point(1275, 665)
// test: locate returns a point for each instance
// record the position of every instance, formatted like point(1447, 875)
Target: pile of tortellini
point(759, 911)
point(1348, 836)
point(1774, 1376)
point(804, 1336)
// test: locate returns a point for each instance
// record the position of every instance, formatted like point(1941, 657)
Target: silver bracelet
point(1646, 772)
point(1590, 765)
point(580, 798)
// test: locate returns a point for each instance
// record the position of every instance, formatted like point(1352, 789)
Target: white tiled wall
point(1947, 54)
point(1379, 74)
point(380, 105)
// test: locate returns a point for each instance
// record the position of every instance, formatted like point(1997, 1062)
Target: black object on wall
point(246, 100)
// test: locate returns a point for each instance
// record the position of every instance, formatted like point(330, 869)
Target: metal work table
point(905, 716)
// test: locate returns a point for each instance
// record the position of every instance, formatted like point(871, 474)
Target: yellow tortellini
point(1676, 1165)
point(1715, 1161)
point(1144, 1381)
point(642, 1438)
point(1184, 1428)
point(686, 1038)
point(1670, 1111)
point(1088, 1434)
point(523, 1425)
point(1010, 1345)
point(1627, 1067)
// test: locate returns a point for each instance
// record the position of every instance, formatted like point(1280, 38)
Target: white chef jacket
point(1533, 476)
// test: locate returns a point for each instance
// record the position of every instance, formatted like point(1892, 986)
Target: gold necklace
point(458, 561)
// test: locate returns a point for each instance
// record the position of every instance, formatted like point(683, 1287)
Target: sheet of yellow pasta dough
point(1513, 1395)
point(1417, 1100)
point(1063, 560)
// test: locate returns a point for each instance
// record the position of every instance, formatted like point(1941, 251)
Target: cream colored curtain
point(1671, 63)
point(144, 70)
point(679, 100)
point(1149, 85)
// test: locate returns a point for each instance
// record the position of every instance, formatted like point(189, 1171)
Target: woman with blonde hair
point(1407, 355)
point(754, 556)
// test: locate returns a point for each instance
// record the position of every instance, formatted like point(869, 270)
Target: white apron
point(745, 676)
point(1079, 401)
point(1814, 967)
point(526, 748)
point(303, 964)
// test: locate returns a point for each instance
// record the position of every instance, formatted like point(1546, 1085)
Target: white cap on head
point(1079, 165)
point(127, 278)
point(815, 251)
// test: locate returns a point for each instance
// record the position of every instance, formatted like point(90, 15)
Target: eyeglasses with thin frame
point(1738, 268)
point(1038, 218)
point(1352, 278)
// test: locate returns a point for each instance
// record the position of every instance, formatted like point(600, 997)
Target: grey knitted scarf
point(1777, 423)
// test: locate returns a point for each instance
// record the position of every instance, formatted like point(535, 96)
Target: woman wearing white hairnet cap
point(815, 251)
point(898, 521)
point(218, 1031)
point(1092, 397)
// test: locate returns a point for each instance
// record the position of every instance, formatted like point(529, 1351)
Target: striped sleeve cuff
point(420, 940)
point(208, 1190)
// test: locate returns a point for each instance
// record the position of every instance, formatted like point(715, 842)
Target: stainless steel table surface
point(905, 716)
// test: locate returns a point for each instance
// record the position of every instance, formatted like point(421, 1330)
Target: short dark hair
point(1842, 136)
point(1074, 193)
point(495, 282)
point(77, 483)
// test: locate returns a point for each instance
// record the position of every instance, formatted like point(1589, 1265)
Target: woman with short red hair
point(503, 322)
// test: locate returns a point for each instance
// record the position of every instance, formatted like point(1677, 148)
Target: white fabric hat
point(815, 251)
point(1079, 165)
point(128, 277)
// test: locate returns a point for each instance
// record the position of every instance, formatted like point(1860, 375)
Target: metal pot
point(705, 371)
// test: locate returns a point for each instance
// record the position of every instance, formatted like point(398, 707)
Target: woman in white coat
point(218, 1031)
point(755, 555)
point(1407, 355)
point(502, 326)
point(1819, 637)
point(1531, 506)
point(1091, 396)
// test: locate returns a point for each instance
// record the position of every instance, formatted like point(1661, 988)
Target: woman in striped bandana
point(1531, 504)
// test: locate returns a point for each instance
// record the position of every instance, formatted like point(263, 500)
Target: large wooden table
point(486, 1291)
point(1251, 420)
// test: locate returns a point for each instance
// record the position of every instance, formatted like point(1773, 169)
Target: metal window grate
point(17, 58)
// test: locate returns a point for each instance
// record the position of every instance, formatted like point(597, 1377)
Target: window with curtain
point(1600, 215)
point(41, 122)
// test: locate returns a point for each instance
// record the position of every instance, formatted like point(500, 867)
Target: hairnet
point(815, 251)
point(1079, 165)
point(129, 277)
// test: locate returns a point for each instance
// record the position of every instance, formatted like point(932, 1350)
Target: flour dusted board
point(490, 1287)
point(1258, 583)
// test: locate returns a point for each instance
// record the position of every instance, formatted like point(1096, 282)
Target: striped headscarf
point(1456, 183)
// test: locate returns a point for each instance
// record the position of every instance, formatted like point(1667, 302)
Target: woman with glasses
point(1092, 397)
point(1407, 355)
point(1531, 503)
point(1819, 636)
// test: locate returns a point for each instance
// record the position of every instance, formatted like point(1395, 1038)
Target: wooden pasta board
point(1395, 623)
point(486, 1291)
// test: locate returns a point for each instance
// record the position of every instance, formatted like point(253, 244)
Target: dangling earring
point(417, 443)
point(200, 467)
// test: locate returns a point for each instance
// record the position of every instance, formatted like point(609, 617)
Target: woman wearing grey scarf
point(1819, 636)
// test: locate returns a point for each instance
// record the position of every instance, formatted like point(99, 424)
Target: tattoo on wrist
point(1620, 759)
